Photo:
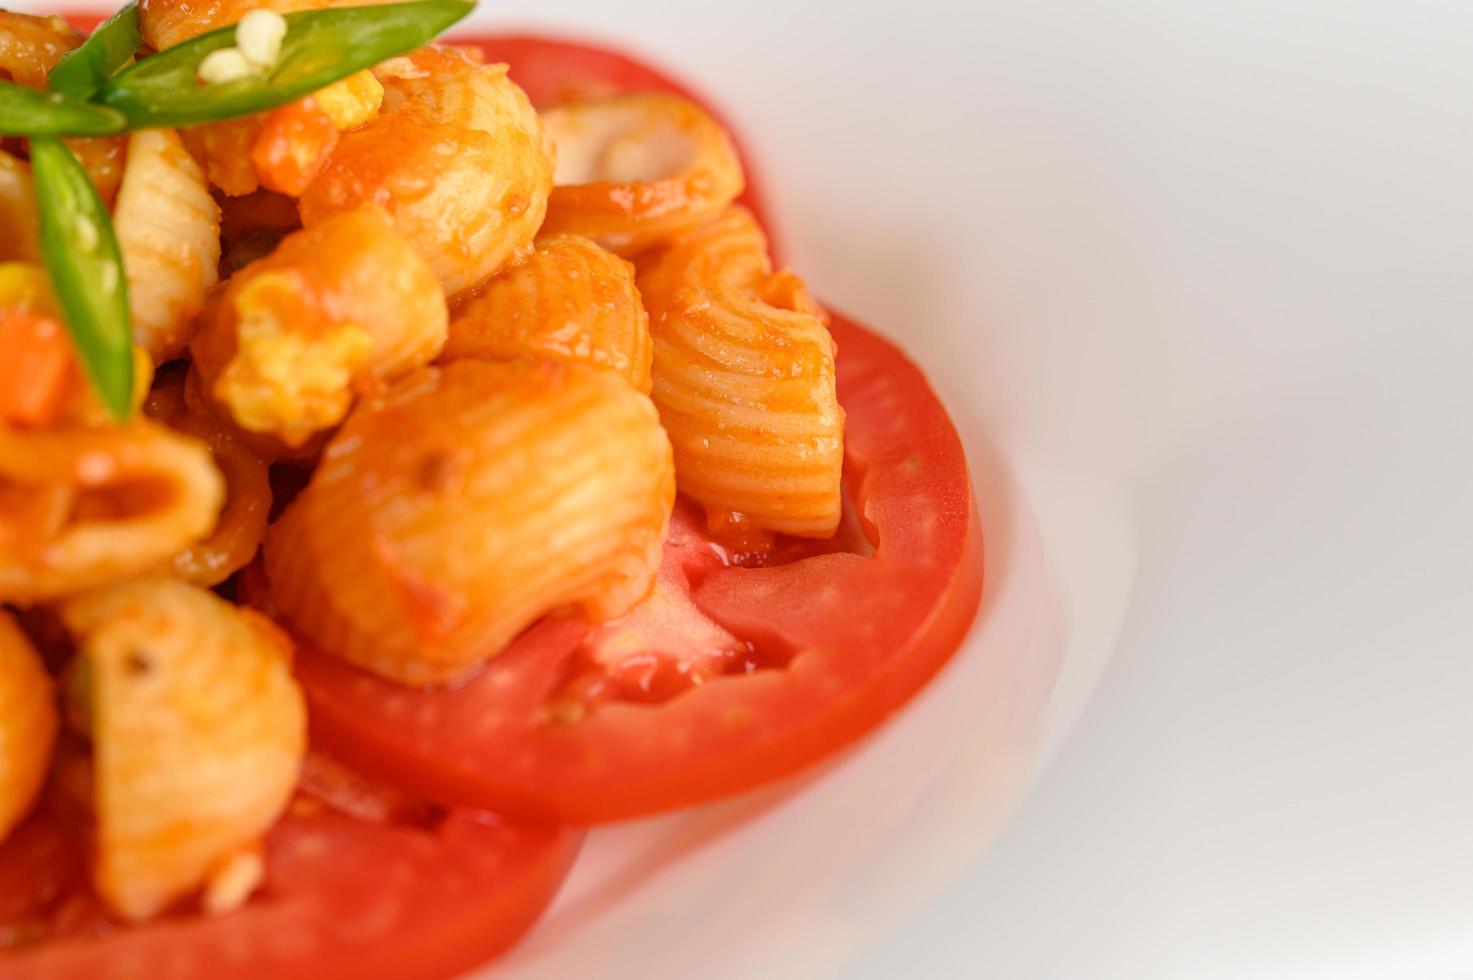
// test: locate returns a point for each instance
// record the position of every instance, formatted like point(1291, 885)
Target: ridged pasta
point(745, 384)
point(634, 171)
point(198, 733)
point(18, 217)
point(242, 523)
point(452, 512)
point(168, 228)
point(337, 309)
point(80, 508)
point(31, 46)
point(28, 724)
point(569, 301)
point(457, 157)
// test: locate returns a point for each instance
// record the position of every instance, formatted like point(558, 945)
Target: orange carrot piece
point(294, 146)
point(38, 373)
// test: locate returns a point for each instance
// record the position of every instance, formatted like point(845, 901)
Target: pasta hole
point(123, 500)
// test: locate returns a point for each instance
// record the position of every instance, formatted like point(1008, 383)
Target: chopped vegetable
point(86, 69)
point(320, 47)
point(27, 112)
point(86, 267)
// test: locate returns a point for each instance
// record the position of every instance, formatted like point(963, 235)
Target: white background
point(1203, 273)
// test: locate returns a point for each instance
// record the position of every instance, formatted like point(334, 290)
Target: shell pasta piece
point(198, 733)
point(80, 508)
point(452, 512)
point(168, 228)
point(745, 383)
point(569, 301)
point(28, 723)
point(165, 23)
point(242, 524)
point(634, 171)
point(30, 46)
point(456, 156)
point(336, 309)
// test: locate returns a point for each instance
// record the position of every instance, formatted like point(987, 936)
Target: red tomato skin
point(342, 899)
point(919, 594)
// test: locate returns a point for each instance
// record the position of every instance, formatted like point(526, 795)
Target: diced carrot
point(39, 372)
point(293, 146)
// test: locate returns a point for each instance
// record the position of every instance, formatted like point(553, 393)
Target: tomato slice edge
point(612, 766)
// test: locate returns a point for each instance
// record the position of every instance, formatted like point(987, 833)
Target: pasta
point(168, 228)
point(634, 171)
point(198, 733)
point(472, 499)
point(456, 156)
point(224, 151)
point(744, 380)
point(569, 301)
point(31, 46)
point(81, 508)
point(165, 23)
point(242, 524)
point(17, 211)
point(28, 724)
point(103, 157)
point(337, 309)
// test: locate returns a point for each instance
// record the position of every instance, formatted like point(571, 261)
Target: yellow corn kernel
point(352, 101)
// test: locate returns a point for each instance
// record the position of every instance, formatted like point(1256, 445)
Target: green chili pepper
point(86, 267)
point(27, 112)
point(87, 68)
point(321, 47)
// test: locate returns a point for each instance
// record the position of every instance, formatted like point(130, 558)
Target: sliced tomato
point(738, 675)
point(357, 885)
point(553, 71)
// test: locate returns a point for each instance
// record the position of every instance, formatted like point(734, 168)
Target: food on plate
point(570, 300)
point(744, 380)
point(635, 170)
point(168, 229)
point(458, 158)
point(338, 308)
point(466, 502)
point(410, 453)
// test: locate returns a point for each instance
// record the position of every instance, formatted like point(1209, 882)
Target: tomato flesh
point(834, 642)
point(414, 894)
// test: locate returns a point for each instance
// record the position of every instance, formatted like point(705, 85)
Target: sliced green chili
point(321, 47)
point(27, 112)
point(86, 69)
point(86, 268)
